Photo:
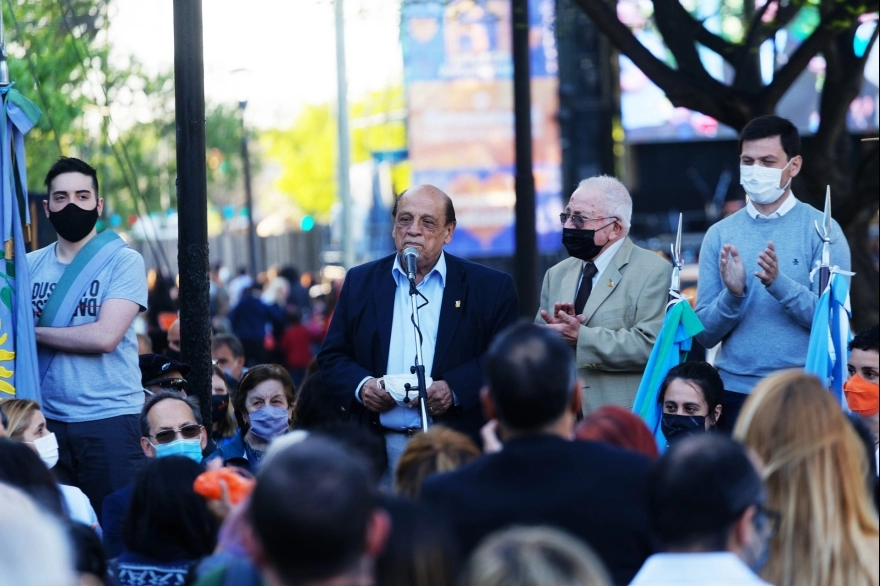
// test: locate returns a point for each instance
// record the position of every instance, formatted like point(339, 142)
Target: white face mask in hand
point(761, 184)
point(47, 448)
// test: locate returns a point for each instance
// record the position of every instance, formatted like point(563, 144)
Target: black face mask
point(581, 243)
point(219, 406)
point(677, 427)
point(73, 223)
point(173, 354)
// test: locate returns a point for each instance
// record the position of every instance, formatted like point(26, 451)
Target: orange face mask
point(861, 396)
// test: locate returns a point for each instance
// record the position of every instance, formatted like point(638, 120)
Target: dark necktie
point(586, 287)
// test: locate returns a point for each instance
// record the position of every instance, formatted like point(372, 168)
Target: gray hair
point(191, 402)
point(617, 201)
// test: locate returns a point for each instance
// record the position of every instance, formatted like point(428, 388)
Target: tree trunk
point(853, 178)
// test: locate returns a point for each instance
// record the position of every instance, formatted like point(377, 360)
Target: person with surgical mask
point(263, 407)
point(862, 388)
point(27, 424)
point(170, 425)
point(757, 291)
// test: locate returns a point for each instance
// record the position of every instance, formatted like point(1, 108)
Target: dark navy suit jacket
point(593, 491)
point(113, 512)
point(478, 302)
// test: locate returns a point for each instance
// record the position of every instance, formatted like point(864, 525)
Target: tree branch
point(623, 39)
point(788, 73)
point(677, 29)
point(704, 94)
point(713, 42)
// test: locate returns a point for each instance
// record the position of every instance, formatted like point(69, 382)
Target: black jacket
point(591, 490)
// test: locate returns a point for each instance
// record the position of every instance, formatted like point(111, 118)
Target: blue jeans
point(395, 443)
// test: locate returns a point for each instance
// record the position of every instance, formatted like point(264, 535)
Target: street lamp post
point(246, 162)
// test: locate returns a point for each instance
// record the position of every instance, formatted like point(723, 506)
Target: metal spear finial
point(677, 262)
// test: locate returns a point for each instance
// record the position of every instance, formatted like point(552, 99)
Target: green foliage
point(42, 49)
point(119, 119)
point(307, 152)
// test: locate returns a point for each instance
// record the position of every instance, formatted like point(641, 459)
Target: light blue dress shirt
point(402, 349)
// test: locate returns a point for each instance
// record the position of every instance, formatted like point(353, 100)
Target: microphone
point(410, 256)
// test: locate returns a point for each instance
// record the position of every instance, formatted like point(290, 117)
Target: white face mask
point(47, 448)
point(761, 184)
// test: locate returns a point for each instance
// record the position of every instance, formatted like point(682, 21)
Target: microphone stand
point(419, 367)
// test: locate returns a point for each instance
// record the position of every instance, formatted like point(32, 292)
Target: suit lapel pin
point(457, 304)
point(610, 283)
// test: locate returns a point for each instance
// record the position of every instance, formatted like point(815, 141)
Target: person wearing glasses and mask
point(707, 508)
point(757, 293)
point(608, 299)
point(171, 425)
point(161, 373)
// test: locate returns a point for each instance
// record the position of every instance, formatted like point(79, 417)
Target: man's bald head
point(433, 192)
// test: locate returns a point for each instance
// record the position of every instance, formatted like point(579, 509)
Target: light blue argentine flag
point(829, 337)
point(18, 356)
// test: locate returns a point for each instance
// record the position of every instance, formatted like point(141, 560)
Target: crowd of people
point(315, 469)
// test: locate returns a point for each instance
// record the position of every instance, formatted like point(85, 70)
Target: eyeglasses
point(767, 521)
point(172, 384)
point(190, 431)
point(579, 220)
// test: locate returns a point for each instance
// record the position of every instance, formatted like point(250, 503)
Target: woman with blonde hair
point(27, 424)
point(814, 469)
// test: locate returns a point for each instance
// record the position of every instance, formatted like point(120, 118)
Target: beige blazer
point(624, 314)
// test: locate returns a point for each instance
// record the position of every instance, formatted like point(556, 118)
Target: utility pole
point(243, 80)
point(192, 200)
point(344, 158)
point(526, 252)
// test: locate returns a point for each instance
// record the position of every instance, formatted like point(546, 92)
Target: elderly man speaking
point(463, 306)
point(608, 299)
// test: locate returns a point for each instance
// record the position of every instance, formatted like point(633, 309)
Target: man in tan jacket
point(609, 298)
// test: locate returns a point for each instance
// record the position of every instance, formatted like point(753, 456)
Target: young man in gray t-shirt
point(91, 391)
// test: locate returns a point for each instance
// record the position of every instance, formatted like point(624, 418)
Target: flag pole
point(677, 263)
point(4, 67)
point(825, 237)
point(9, 245)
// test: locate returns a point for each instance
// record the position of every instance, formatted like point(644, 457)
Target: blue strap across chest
point(79, 274)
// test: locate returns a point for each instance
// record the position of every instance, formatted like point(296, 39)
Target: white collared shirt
point(696, 569)
point(786, 207)
point(602, 261)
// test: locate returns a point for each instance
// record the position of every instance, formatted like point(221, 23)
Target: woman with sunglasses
point(25, 423)
point(263, 408)
point(814, 468)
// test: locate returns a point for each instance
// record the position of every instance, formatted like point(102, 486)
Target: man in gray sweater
point(755, 294)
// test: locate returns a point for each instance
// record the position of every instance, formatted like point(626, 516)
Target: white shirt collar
point(603, 260)
point(786, 207)
point(682, 569)
point(440, 268)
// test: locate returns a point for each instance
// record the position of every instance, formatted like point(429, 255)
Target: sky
point(288, 46)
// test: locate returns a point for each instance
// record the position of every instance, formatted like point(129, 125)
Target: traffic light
point(307, 223)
